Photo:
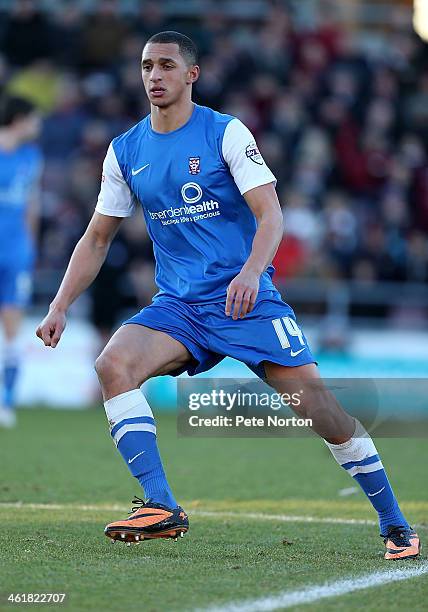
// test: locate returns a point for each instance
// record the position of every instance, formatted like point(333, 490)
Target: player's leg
point(270, 336)
point(11, 318)
point(15, 291)
point(134, 354)
point(353, 449)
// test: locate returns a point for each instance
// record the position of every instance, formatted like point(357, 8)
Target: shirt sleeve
point(115, 198)
point(245, 162)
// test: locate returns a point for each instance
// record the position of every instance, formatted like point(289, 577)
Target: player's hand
point(242, 294)
point(51, 328)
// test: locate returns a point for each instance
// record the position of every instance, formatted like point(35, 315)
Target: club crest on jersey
point(253, 153)
point(194, 165)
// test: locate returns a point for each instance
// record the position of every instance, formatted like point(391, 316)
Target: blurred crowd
point(344, 130)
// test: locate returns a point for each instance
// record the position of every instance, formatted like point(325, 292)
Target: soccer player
point(215, 221)
point(20, 169)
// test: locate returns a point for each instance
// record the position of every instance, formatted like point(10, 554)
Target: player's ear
point(193, 74)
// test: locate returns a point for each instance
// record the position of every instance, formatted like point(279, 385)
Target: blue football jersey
point(190, 184)
point(19, 175)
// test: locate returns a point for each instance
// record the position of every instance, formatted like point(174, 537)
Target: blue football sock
point(10, 373)
point(359, 457)
point(133, 430)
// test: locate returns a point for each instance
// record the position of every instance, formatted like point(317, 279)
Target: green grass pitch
point(61, 481)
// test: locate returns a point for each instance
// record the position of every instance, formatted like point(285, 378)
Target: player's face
point(166, 75)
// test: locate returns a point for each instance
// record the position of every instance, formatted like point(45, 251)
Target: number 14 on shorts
point(285, 327)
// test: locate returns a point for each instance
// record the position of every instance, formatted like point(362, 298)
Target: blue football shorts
point(15, 285)
point(269, 333)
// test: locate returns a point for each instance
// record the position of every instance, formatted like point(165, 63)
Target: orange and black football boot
point(401, 543)
point(147, 521)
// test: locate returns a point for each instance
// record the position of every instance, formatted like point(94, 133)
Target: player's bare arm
point(242, 291)
point(85, 263)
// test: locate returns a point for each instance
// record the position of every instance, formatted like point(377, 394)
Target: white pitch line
point(283, 518)
point(288, 518)
point(83, 507)
point(310, 594)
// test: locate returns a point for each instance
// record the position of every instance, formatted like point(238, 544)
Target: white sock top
point(126, 406)
point(357, 448)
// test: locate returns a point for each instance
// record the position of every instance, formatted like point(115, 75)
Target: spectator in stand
point(28, 35)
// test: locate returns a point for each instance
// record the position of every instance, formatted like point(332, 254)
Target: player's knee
point(109, 365)
point(116, 366)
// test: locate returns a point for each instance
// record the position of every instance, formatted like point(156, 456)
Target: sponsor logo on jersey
point(193, 209)
point(191, 193)
point(194, 165)
point(253, 153)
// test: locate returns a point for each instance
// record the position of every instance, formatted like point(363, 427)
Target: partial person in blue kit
point(20, 169)
point(213, 215)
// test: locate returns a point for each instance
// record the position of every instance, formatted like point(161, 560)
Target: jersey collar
point(162, 136)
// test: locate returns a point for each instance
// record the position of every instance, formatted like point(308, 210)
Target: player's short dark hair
point(14, 107)
point(185, 44)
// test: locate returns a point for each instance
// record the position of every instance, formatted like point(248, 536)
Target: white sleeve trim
point(115, 198)
point(112, 213)
point(245, 162)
